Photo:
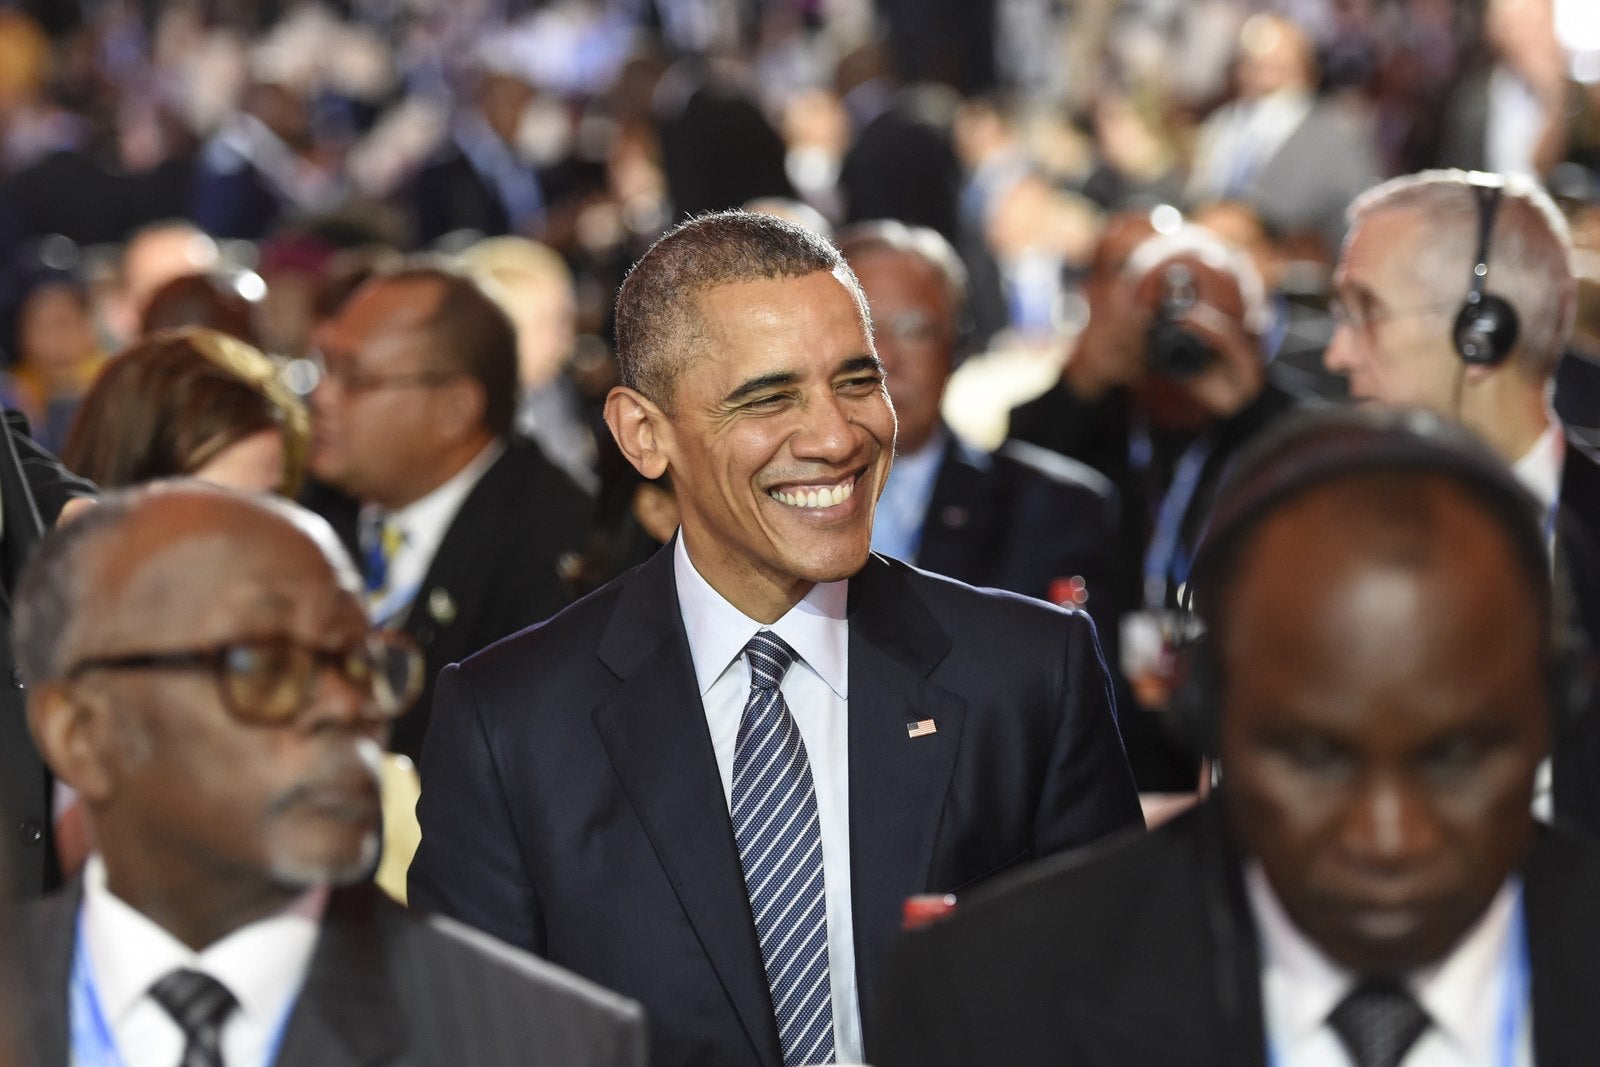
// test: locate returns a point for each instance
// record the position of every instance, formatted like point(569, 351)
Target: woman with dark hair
point(194, 402)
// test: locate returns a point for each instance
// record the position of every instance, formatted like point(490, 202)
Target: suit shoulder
point(453, 944)
point(1037, 463)
point(973, 610)
point(1080, 914)
point(574, 630)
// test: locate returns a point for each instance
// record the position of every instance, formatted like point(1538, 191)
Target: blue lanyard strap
point(1167, 561)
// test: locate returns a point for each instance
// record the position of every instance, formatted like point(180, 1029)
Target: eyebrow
point(780, 379)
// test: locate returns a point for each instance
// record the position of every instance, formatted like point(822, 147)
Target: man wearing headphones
point(1455, 293)
point(1367, 887)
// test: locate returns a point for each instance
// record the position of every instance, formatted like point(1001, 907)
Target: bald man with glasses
point(201, 670)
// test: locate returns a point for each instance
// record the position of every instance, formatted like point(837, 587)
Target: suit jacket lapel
point(654, 729)
point(348, 1011)
point(959, 531)
point(898, 783)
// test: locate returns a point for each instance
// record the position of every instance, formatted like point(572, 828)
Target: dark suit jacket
point(1019, 519)
point(385, 987)
point(33, 488)
point(1576, 758)
point(572, 804)
point(495, 571)
point(1144, 956)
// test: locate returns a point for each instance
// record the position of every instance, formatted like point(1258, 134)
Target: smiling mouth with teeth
point(826, 497)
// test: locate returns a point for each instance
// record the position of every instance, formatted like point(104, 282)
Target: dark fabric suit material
point(385, 986)
point(1018, 519)
point(1144, 956)
point(33, 489)
point(1576, 760)
point(573, 806)
point(495, 571)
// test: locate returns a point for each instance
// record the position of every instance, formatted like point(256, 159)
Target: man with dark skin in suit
point(202, 672)
point(1379, 679)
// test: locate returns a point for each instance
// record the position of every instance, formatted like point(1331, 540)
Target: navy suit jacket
point(1019, 519)
point(572, 805)
point(1576, 756)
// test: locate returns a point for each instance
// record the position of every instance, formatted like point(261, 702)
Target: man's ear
point(73, 731)
point(462, 406)
point(641, 429)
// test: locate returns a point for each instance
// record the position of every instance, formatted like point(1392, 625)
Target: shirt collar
point(1461, 993)
point(262, 963)
point(816, 627)
point(1539, 469)
point(426, 519)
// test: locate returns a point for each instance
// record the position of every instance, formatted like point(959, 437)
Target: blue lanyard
point(1514, 1000)
point(93, 1044)
point(1166, 562)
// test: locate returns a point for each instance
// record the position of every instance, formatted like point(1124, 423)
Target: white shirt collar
point(263, 963)
point(815, 628)
point(1462, 993)
point(424, 522)
point(1539, 469)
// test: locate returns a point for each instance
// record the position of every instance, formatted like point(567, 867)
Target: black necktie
point(199, 1004)
point(1378, 1021)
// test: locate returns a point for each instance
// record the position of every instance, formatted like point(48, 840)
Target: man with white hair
point(1455, 293)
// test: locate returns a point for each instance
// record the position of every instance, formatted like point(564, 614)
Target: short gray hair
point(929, 245)
point(49, 597)
point(658, 313)
point(1530, 250)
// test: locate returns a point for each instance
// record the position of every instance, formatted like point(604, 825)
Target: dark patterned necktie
point(774, 810)
point(200, 1004)
point(1378, 1021)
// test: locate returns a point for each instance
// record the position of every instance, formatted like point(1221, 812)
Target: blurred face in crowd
point(188, 789)
point(387, 405)
point(1383, 713)
point(55, 332)
point(1393, 331)
point(778, 440)
point(914, 329)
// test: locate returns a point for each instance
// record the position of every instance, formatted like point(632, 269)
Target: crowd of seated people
point(1112, 400)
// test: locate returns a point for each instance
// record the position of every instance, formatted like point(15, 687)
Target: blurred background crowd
point(246, 164)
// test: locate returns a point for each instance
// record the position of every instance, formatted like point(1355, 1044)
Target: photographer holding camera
point(1183, 386)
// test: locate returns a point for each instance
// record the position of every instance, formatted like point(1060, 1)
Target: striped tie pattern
point(199, 1004)
point(774, 809)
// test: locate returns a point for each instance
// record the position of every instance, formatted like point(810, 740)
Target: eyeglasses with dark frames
point(269, 680)
point(303, 375)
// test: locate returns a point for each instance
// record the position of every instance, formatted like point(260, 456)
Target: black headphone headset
point(1323, 446)
point(1486, 327)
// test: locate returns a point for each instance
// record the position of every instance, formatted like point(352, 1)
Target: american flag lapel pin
point(921, 728)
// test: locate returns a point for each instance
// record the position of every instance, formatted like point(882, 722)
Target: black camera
point(1171, 349)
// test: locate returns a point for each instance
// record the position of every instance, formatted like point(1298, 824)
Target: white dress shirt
point(263, 964)
point(816, 689)
point(423, 524)
point(1464, 994)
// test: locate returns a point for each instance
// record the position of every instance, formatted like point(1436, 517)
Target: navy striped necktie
point(774, 810)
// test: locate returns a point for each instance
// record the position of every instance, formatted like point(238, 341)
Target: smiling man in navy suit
point(712, 784)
